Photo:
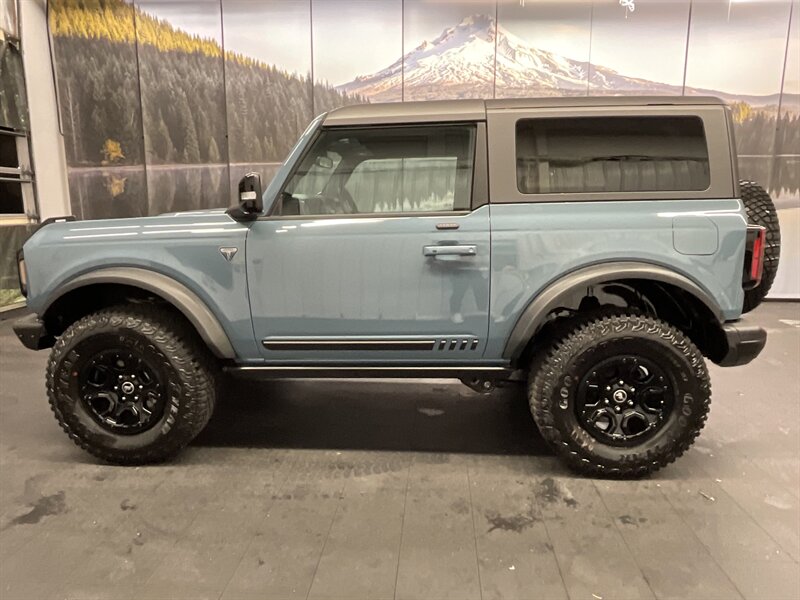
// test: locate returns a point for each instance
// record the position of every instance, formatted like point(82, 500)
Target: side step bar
point(382, 371)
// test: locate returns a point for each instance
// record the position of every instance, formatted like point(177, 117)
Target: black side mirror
point(251, 204)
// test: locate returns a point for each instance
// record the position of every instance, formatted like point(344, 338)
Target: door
point(375, 252)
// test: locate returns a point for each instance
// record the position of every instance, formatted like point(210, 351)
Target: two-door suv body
point(596, 248)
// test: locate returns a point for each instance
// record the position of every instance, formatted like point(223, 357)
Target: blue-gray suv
point(595, 249)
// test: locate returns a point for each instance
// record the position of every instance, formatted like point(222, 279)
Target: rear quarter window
point(611, 154)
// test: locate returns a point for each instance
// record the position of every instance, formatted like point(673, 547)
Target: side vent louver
point(457, 344)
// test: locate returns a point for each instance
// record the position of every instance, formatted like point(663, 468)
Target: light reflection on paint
point(107, 228)
point(329, 222)
point(698, 213)
point(97, 235)
point(214, 224)
point(218, 230)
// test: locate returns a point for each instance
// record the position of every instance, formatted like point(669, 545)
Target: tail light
point(754, 256)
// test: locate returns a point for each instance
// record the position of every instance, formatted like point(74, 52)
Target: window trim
point(502, 125)
point(479, 147)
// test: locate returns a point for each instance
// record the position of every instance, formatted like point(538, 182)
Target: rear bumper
point(32, 333)
point(745, 342)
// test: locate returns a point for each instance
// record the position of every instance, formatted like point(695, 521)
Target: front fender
point(174, 292)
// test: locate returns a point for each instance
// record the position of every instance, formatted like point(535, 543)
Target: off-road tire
point(553, 388)
point(761, 211)
point(189, 374)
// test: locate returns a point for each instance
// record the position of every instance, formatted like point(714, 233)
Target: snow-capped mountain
point(461, 63)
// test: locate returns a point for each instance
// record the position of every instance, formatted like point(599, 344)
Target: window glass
point(384, 170)
point(611, 154)
point(8, 151)
point(11, 197)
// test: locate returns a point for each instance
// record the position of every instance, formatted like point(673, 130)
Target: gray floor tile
point(722, 526)
point(765, 579)
point(591, 553)
point(673, 561)
point(282, 557)
point(361, 553)
point(515, 556)
point(766, 500)
point(438, 553)
point(782, 469)
point(438, 470)
point(193, 571)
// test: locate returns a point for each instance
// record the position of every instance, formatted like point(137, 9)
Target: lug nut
point(630, 402)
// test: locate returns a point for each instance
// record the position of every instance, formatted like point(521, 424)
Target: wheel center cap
point(128, 387)
point(619, 396)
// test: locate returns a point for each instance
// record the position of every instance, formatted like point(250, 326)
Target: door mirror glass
point(251, 204)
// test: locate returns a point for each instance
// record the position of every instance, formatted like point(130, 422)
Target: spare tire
point(761, 211)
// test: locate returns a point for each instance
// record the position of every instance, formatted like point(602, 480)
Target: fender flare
point(535, 314)
point(164, 286)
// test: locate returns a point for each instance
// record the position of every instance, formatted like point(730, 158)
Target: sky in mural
point(363, 37)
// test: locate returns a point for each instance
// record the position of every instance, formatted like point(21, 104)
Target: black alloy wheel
point(624, 399)
point(121, 391)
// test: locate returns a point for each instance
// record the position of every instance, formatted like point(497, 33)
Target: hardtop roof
point(475, 110)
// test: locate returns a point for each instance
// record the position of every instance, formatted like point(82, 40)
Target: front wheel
point(131, 384)
point(621, 395)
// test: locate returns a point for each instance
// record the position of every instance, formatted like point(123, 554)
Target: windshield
point(283, 172)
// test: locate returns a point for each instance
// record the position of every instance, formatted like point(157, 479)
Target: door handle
point(443, 250)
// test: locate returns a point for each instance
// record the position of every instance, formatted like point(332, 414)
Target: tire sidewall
point(66, 363)
point(687, 378)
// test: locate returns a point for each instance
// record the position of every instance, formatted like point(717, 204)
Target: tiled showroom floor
point(403, 490)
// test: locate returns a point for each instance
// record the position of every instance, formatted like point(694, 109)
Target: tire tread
point(546, 372)
point(193, 363)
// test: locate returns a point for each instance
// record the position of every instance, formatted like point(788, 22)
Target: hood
point(196, 223)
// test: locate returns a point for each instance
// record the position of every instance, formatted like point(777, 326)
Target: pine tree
point(191, 147)
point(213, 152)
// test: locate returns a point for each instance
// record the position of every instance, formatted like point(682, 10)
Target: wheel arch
point(707, 334)
point(101, 287)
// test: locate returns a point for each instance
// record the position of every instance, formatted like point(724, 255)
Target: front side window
point(611, 154)
point(384, 170)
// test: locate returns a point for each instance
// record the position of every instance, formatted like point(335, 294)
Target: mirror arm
point(238, 213)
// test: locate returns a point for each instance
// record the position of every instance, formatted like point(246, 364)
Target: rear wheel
point(620, 395)
point(131, 384)
point(761, 211)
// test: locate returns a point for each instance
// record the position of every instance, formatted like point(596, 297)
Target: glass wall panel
point(183, 104)
point(638, 48)
point(449, 49)
point(358, 49)
point(98, 91)
point(785, 183)
point(736, 52)
point(268, 82)
point(542, 48)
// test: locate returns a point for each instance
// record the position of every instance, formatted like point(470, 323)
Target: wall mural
point(166, 103)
